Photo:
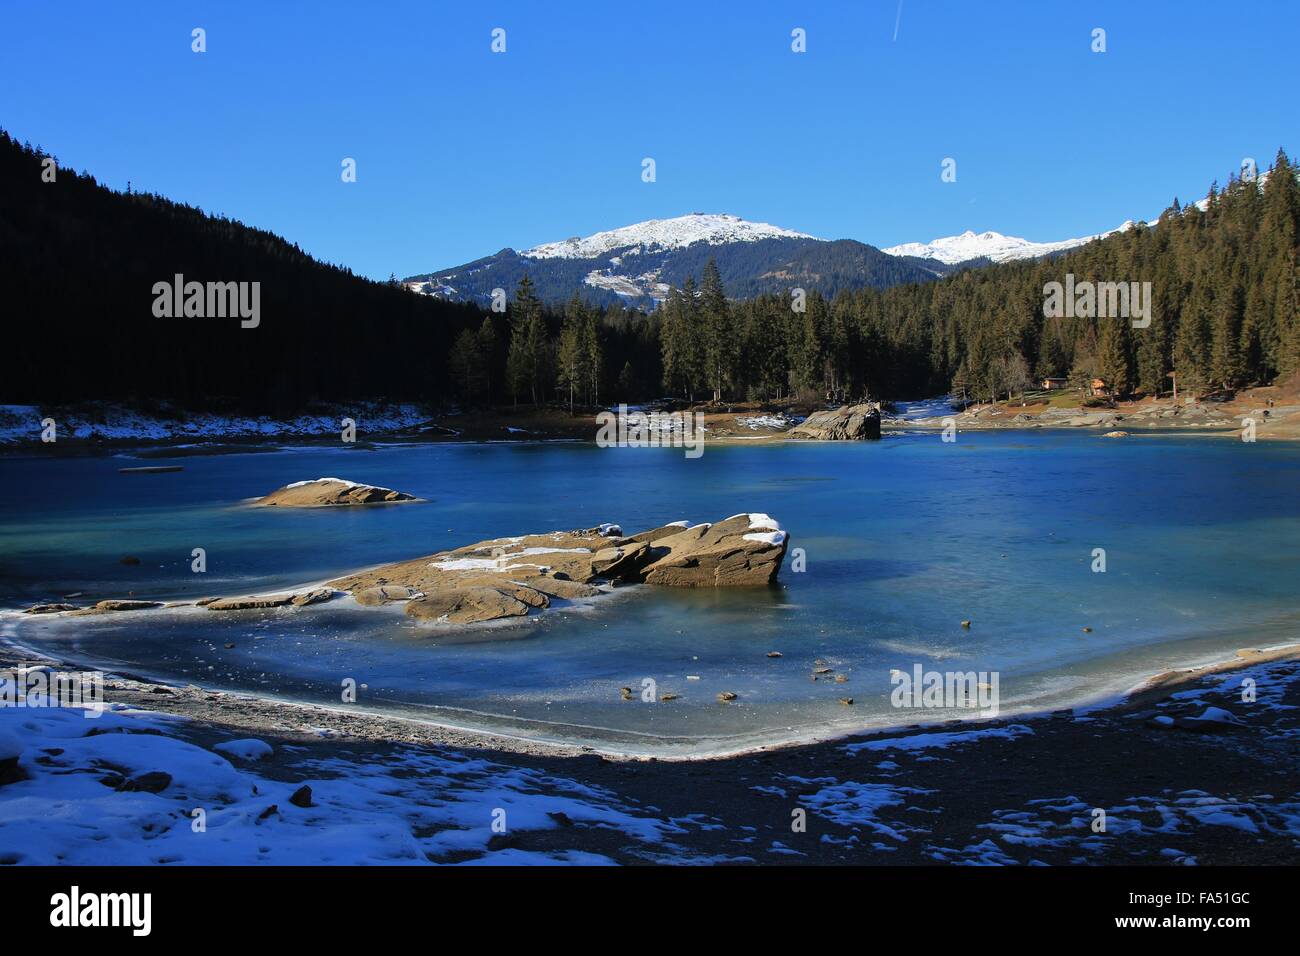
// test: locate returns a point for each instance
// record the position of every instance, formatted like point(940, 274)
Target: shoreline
point(268, 713)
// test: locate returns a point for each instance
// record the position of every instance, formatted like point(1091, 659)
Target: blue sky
point(461, 152)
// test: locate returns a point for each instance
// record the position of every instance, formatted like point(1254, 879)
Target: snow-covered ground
point(23, 424)
point(777, 421)
point(129, 787)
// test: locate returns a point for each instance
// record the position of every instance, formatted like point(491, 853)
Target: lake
point(903, 539)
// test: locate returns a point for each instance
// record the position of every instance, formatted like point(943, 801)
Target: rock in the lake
point(327, 492)
point(118, 605)
point(847, 423)
point(49, 608)
point(506, 577)
point(314, 596)
point(743, 551)
point(466, 606)
point(250, 603)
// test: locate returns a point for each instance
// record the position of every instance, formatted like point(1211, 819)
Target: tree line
point(79, 260)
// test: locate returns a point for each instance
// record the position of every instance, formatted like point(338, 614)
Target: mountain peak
point(661, 234)
point(989, 244)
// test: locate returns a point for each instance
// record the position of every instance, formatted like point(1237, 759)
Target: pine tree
point(569, 365)
point(719, 336)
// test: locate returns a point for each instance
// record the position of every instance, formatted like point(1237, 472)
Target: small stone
point(269, 811)
point(726, 695)
point(667, 697)
point(229, 647)
point(560, 817)
point(1087, 630)
point(822, 670)
point(774, 654)
point(155, 781)
point(841, 679)
point(301, 797)
point(846, 701)
point(966, 624)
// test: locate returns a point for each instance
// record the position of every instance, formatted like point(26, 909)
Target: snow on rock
point(659, 234)
point(249, 749)
point(321, 481)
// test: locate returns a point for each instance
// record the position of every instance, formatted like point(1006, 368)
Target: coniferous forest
point(79, 261)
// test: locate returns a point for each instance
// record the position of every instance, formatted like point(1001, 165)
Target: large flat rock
point(330, 492)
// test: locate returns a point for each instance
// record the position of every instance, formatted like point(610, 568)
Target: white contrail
point(897, 19)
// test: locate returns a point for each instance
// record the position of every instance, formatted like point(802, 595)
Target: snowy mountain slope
point(660, 234)
point(993, 246)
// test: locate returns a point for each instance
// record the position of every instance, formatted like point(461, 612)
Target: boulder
point(250, 603)
point(466, 606)
point(104, 607)
point(327, 492)
point(314, 596)
point(847, 423)
point(746, 550)
point(49, 608)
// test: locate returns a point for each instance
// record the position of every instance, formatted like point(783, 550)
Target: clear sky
point(461, 151)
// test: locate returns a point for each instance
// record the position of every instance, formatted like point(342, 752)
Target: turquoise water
point(904, 539)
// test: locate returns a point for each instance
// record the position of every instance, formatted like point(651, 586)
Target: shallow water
point(904, 539)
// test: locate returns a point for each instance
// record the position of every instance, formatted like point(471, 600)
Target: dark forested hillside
point(79, 262)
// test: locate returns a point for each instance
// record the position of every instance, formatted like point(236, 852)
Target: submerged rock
point(325, 492)
point(847, 423)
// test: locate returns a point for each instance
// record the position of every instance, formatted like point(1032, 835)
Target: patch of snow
point(249, 749)
point(322, 481)
point(941, 739)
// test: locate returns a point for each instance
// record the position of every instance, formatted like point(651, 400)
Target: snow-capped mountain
point(655, 235)
point(987, 245)
point(638, 264)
